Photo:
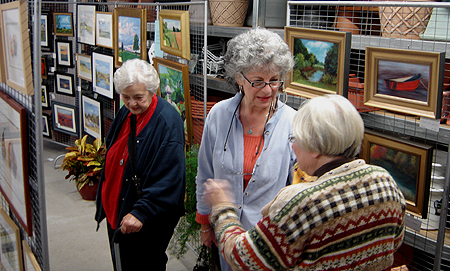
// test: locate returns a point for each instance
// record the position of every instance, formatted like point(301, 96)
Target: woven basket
point(404, 22)
point(228, 12)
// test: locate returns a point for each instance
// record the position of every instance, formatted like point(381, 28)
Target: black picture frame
point(65, 118)
point(63, 50)
point(64, 84)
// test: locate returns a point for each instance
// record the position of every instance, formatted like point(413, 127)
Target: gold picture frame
point(404, 81)
point(132, 18)
point(329, 72)
point(412, 172)
point(16, 46)
point(11, 252)
point(174, 77)
point(63, 24)
point(174, 32)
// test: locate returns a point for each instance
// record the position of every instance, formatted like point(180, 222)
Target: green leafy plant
point(84, 162)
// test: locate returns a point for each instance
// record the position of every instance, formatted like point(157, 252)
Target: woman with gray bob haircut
point(329, 125)
point(136, 71)
point(259, 49)
point(246, 137)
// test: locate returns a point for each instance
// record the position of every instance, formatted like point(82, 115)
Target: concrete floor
point(74, 243)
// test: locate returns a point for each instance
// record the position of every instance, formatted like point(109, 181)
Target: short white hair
point(329, 125)
point(136, 71)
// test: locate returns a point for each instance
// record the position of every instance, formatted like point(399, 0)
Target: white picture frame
point(86, 24)
point(92, 116)
point(102, 74)
point(104, 33)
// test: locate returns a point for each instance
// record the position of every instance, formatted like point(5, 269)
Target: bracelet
point(206, 230)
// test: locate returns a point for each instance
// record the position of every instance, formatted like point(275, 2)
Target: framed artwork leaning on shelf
point(63, 24)
point(92, 116)
point(130, 34)
point(322, 60)
point(86, 24)
point(64, 84)
point(14, 181)
point(408, 162)
point(404, 81)
point(174, 32)
point(174, 88)
point(16, 46)
point(103, 74)
point(104, 29)
point(65, 118)
point(11, 252)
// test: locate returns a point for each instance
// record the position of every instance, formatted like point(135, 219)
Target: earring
point(241, 89)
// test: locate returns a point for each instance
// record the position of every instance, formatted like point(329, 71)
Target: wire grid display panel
point(385, 26)
point(28, 103)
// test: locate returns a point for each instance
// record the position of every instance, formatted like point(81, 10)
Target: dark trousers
point(146, 249)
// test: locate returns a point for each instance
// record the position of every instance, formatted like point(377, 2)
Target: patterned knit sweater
point(350, 218)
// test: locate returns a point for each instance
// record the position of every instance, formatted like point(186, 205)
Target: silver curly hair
point(136, 71)
point(258, 49)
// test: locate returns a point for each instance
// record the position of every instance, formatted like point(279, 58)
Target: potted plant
point(84, 163)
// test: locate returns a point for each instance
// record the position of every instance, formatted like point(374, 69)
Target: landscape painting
point(102, 78)
point(174, 88)
point(86, 24)
point(92, 118)
point(63, 24)
point(104, 29)
point(129, 38)
point(84, 67)
point(321, 60)
point(65, 118)
point(174, 32)
point(316, 63)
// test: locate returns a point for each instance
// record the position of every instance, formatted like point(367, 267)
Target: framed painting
point(16, 46)
point(14, 180)
point(2, 55)
point(30, 262)
point(130, 34)
point(45, 99)
point(63, 24)
point(64, 84)
point(409, 163)
point(44, 69)
point(92, 117)
point(174, 32)
point(64, 53)
point(11, 252)
point(404, 81)
point(46, 131)
point(174, 88)
point(86, 24)
point(322, 61)
point(84, 67)
point(46, 32)
point(102, 77)
point(65, 118)
point(104, 29)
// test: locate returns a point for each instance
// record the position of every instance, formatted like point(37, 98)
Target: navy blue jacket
point(160, 164)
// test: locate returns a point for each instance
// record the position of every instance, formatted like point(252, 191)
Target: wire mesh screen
point(406, 26)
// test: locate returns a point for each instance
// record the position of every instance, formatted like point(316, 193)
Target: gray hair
point(256, 50)
point(136, 71)
point(329, 125)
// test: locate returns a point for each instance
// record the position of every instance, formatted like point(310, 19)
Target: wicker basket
point(228, 12)
point(404, 22)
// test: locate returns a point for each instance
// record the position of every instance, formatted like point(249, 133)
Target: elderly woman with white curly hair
point(246, 138)
point(351, 217)
point(144, 198)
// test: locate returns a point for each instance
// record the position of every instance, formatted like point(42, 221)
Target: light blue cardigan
point(273, 169)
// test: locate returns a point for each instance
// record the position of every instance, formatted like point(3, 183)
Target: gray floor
point(73, 242)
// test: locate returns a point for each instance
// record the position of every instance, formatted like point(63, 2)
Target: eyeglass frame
point(252, 83)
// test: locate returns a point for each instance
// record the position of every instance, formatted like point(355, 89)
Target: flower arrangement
point(84, 162)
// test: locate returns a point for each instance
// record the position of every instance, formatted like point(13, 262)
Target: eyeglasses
point(262, 84)
point(291, 139)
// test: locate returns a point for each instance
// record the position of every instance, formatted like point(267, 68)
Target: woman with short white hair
point(351, 217)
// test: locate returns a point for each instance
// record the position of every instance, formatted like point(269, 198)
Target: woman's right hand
point(207, 235)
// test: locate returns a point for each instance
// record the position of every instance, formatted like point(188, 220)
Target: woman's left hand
point(130, 224)
point(214, 193)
